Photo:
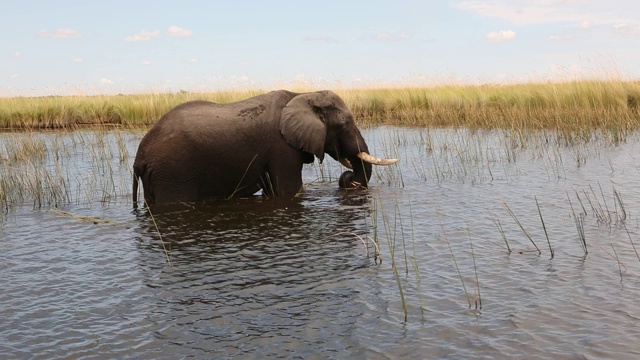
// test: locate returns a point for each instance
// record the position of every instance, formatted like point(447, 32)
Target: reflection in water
point(257, 272)
point(254, 278)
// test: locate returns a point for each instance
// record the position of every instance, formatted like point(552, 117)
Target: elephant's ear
point(302, 125)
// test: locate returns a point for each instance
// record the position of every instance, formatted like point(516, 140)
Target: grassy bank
point(565, 106)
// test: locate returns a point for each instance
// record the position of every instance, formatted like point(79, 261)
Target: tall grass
point(57, 169)
point(570, 105)
point(54, 112)
point(613, 104)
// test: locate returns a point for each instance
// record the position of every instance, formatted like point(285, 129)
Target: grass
point(51, 170)
point(63, 112)
point(576, 105)
point(88, 167)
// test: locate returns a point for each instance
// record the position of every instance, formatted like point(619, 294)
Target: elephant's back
point(204, 125)
point(189, 111)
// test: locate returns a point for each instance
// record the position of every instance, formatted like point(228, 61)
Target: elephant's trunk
point(356, 157)
point(360, 175)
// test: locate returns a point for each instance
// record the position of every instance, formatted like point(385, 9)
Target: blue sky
point(88, 47)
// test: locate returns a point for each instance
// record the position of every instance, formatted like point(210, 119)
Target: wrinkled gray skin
point(201, 150)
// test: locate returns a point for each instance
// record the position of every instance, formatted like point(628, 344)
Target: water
point(253, 278)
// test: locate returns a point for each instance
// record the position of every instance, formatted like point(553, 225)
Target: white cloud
point(177, 31)
point(60, 34)
point(13, 76)
point(78, 60)
point(499, 36)
point(17, 54)
point(582, 12)
point(142, 36)
point(627, 29)
point(106, 81)
point(146, 62)
point(193, 61)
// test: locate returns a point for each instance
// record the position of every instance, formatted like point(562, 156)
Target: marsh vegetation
point(577, 105)
point(512, 206)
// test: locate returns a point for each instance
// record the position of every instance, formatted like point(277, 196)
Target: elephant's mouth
point(368, 158)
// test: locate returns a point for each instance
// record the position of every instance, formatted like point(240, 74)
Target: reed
point(579, 222)
point(166, 251)
point(498, 225)
point(477, 298)
point(515, 218)
point(568, 106)
point(414, 262)
point(392, 250)
point(615, 257)
point(546, 234)
point(64, 167)
point(455, 262)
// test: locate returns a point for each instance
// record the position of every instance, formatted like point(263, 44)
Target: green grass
point(577, 105)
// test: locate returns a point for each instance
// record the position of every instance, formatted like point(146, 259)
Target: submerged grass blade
point(92, 219)
point(579, 221)
point(414, 262)
point(394, 267)
point(515, 218)
point(631, 241)
point(155, 224)
point(477, 297)
point(455, 262)
point(376, 255)
point(546, 234)
point(623, 212)
point(501, 230)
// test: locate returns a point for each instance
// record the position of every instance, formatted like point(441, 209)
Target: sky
point(85, 47)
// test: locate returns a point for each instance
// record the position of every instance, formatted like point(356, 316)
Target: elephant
point(203, 150)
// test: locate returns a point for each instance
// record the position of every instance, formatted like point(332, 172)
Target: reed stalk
point(477, 297)
point(515, 218)
point(394, 267)
point(615, 253)
point(579, 222)
point(622, 214)
point(546, 234)
point(414, 262)
point(455, 262)
point(631, 241)
point(155, 224)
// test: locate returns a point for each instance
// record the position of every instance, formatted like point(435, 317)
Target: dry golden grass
point(566, 106)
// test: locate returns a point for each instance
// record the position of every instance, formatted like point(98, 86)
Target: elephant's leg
point(172, 194)
point(284, 178)
point(167, 189)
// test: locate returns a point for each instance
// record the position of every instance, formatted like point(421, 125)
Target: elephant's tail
point(136, 177)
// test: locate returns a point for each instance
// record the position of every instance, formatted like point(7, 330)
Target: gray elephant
point(201, 150)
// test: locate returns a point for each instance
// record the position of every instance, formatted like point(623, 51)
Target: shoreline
point(583, 104)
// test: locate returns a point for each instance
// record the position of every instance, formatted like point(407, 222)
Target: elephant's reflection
point(196, 232)
point(247, 266)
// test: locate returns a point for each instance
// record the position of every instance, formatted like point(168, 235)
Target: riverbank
point(564, 106)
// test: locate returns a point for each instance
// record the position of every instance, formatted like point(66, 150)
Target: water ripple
point(256, 278)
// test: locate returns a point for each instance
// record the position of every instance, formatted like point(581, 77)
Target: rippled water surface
point(85, 276)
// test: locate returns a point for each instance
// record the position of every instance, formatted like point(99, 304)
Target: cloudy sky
point(86, 47)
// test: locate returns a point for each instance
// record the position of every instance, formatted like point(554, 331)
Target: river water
point(85, 276)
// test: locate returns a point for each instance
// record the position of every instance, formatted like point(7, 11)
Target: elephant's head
point(320, 123)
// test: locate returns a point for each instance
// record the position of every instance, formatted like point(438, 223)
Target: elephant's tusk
point(376, 161)
point(345, 162)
